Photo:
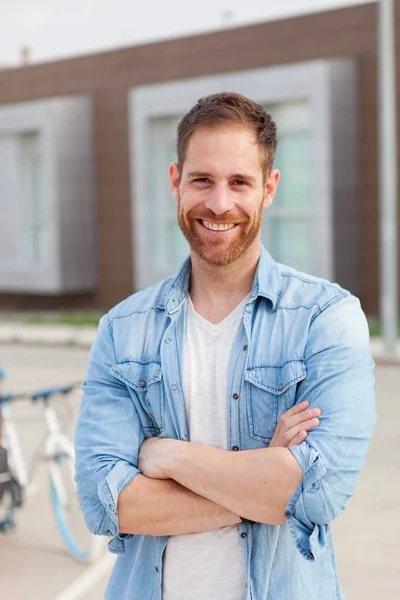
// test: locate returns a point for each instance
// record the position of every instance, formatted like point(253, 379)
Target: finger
point(298, 439)
point(304, 426)
point(303, 416)
point(297, 408)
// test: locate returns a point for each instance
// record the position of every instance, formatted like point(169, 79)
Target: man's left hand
point(153, 457)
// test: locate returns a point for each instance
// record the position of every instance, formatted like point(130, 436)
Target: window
point(21, 200)
point(299, 228)
point(166, 246)
point(289, 223)
point(31, 210)
point(47, 199)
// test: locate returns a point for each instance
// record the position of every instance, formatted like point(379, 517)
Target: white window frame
point(309, 81)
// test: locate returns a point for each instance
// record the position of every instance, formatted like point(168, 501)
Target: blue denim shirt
point(302, 338)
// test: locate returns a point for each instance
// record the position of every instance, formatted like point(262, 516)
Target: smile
point(218, 226)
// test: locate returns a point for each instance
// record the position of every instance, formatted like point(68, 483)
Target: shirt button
point(280, 387)
point(157, 570)
point(112, 508)
point(174, 387)
point(167, 340)
point(243, 535)
point(235, 448)
point(235, 396)
point(185, 437)
point(142, 383)
point(245, 347)
point(288, 514)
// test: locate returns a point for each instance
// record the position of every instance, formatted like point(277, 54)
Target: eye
point(201, 180)
point(239, 182)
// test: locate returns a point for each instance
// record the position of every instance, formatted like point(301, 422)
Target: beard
point(216, 251)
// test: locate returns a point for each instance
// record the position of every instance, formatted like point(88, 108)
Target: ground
point(367, 535)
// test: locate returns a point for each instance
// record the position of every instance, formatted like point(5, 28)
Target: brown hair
point(229, 108)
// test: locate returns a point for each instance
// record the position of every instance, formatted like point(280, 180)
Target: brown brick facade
point(107, 77)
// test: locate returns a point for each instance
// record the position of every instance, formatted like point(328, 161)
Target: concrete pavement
point(34, 565)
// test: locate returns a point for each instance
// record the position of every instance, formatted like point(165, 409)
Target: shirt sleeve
point(107, 441)
point(340, 383)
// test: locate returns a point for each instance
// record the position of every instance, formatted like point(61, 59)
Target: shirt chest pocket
point(145, 384)
point(270, 391)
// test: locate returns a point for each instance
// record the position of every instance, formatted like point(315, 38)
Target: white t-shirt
point(209, 565)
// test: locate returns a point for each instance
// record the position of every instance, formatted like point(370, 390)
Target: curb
point(47, 335)
point(83, 337)
point(379, 356)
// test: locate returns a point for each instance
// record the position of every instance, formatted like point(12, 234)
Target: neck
point(216, 290)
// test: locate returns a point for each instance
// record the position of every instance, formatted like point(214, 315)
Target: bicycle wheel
point(81, 544)
point(10, 493)
point(7, 508)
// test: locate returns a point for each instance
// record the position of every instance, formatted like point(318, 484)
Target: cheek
point(184, 189)
point(188, 199)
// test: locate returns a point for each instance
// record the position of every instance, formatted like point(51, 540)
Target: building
point(85, 143)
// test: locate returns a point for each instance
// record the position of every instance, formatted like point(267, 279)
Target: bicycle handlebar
point(43, 394)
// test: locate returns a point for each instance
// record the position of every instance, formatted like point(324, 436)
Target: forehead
point(230, 146)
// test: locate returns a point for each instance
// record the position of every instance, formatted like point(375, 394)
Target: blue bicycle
point(57, 451)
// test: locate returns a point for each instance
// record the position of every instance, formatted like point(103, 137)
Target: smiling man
point(227, 410)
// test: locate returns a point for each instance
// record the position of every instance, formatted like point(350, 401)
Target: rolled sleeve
point(107, 441)
point(340, 383)
point(110, 488)
point(310, 538)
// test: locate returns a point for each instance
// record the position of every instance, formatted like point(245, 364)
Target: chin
point(220, 258)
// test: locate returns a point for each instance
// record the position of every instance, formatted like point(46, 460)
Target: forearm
point(163, 507)
point(256, 484)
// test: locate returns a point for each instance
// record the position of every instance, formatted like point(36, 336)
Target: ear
point(271, 185)
point(174, 179)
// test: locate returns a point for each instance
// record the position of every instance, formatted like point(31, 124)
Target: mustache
point(209, 215)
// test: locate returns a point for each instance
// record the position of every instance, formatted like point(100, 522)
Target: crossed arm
point(187, 488)
point(167, 487)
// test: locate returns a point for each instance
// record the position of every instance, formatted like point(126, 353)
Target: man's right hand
point(294, 425)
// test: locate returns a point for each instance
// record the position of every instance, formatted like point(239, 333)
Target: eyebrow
point(249, 178)
point(198, 174)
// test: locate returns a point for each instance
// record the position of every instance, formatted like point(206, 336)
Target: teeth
point(218, 227)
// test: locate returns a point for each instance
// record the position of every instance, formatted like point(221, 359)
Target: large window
point(47, 200)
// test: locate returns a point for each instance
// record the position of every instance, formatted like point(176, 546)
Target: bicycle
point(17, 481)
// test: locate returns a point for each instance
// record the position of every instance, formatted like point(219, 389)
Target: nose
point(219, 199)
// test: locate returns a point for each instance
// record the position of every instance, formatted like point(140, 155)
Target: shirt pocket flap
point(147, 391)
point(277, 379)
point(137, 375)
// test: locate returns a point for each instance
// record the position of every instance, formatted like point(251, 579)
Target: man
point(199, 447)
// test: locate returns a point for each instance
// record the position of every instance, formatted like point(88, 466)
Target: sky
point(54, 29)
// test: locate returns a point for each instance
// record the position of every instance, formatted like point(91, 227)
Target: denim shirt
point(302, 338)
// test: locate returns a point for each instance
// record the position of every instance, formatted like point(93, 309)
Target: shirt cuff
point(310, 538)
point(109, 490)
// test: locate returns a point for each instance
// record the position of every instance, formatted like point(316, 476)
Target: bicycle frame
point(55, 442)
point(56, 449)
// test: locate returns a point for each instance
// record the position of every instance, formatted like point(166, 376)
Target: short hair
point(228, 108)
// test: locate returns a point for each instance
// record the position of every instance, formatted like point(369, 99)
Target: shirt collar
point(266, 281)
point(265, 284)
